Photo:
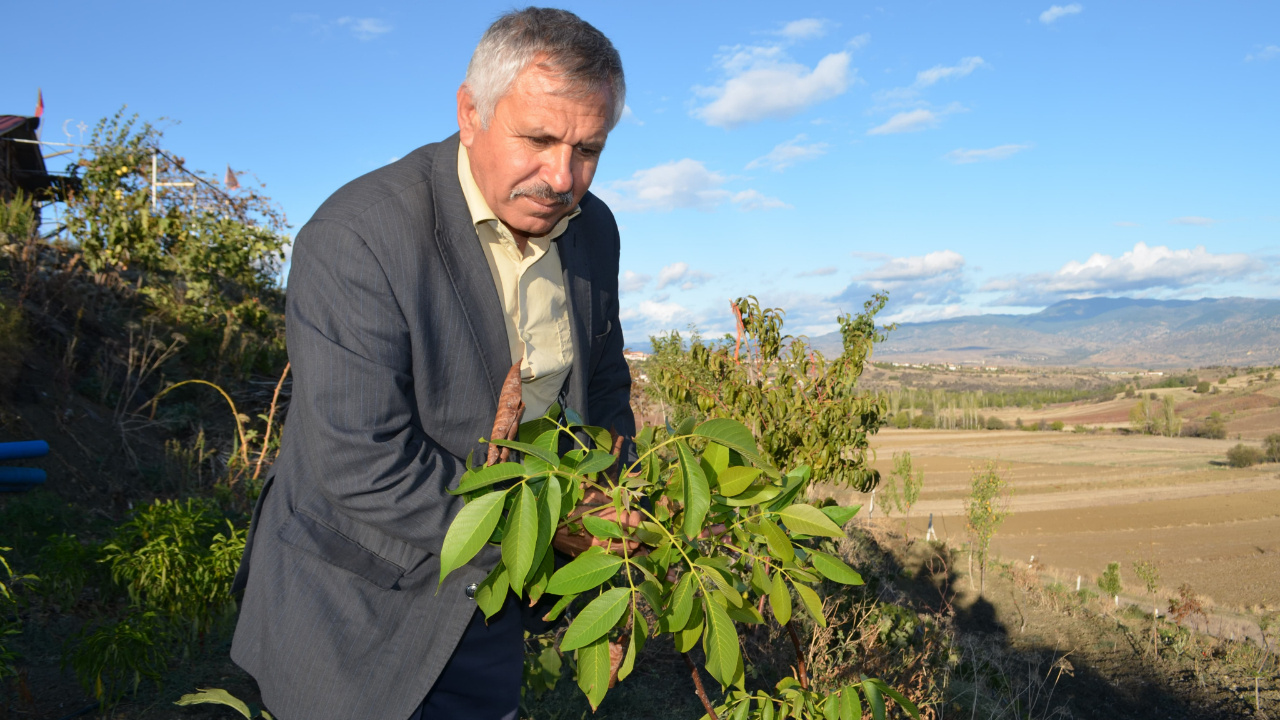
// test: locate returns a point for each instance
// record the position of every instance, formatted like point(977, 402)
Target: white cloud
point(365, 28)
point(679, 184)
point(857, 42)
point(925, 78)
point(682, 276)
point(819, 272)
point(962, 156)
point(1059, 11)
point(1143, 268)
point(633, 281)
point(910, 121)
point(763, 82)
point(804, 29)
point(1194, 220)
point(789, 153)
point(1266, 53)
point(934, 264)
point(755, 200)
point(651, 315)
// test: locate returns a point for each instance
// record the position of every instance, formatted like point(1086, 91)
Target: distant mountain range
point(1101, 332)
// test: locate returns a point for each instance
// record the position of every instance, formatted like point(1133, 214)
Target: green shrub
point(923, 421)
point(112, 660)
point(995, 423)
point(1109, 582)
point(66, 565)
point(1242, 455)
point(1202, 386)
point(1058, 426)
point(1272, 447)
point(168, 559)
point(902, 420)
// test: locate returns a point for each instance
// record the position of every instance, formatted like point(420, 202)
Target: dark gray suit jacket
point(399, 349)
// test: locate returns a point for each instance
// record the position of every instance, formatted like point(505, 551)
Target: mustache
point(542, 191)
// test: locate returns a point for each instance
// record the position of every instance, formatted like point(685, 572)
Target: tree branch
point(800, 669)
point(697, 685)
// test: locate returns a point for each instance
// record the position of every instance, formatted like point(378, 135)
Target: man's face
point(539, 155)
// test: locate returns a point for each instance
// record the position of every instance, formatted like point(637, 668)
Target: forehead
point(540, 98)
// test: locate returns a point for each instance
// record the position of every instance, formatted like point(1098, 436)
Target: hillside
point(1101, 332)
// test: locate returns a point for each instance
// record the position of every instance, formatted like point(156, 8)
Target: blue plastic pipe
point(24, 450)
point(21, 477)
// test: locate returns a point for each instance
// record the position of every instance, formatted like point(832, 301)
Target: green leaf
point(766, 708)
point(833, 568)
point(759, 577)
point(601, 528)
point(812, 603)
point(542, 454)
point(840, 515)
point(596, 618)
point(715, 459)
point(521, 537)
point(687, 639)
point(535, 428)
point(536, 584)
point(745, 614)
point(898, 697)
point(485, 476)
point(469, 530)
point(721, 645)
point(629, 660)
point(548, 518)
point(735, 436)
point(681, 606)
point(810, 520)
point(215, 696)
point(595, 461)
point(850, 704)
point(572, 417)
point(730, 593)
point(831, 708)
point(492, 593)
point(778, 542)
point(780, 599)
point(584, 572)
point(559, 607)
point(734, 480)
point(874, 699)
point(697, 495)
point(593, 670)
point(652, 592)
point(755, 495)
point(684, 428)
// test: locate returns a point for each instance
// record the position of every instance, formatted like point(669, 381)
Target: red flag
point(230, 180)
point(39, 103)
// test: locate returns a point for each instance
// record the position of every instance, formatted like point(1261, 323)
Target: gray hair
point(561, 42)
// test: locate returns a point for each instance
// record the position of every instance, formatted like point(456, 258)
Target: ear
point(468, 117)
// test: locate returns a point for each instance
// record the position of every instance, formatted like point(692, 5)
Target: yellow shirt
point(531, 287)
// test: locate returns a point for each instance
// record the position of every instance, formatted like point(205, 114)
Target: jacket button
point(471, 591)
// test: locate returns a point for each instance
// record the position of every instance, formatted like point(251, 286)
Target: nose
point(559, 168)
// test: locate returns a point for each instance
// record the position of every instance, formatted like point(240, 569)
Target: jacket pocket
point(313, 537)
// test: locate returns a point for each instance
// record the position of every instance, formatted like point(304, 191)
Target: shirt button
point(471, 591)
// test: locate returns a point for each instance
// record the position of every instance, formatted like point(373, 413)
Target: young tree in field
point(1149, 574)
point(1109, 583)
point(1144, 417)
point(1170, 423)
point(1272, 447)
point(985, 508)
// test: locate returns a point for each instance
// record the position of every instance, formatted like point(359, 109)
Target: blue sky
point(969, 158)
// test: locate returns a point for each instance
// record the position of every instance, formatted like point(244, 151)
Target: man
point(412, 292)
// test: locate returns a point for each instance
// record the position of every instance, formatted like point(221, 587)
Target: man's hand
point(597, 504)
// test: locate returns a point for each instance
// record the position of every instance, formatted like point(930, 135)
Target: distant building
point(634, 355)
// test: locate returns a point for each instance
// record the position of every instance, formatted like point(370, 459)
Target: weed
point(112, 660)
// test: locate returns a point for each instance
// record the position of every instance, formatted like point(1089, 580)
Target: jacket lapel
point(467, 268)
point(577, 286)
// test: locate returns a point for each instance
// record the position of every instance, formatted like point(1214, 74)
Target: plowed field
point(1083, 500)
